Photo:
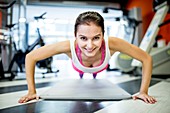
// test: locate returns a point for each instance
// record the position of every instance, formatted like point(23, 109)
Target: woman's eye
point(96, 38)
point(83, 38)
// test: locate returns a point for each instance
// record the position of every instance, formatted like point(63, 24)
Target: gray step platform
point(85, 89)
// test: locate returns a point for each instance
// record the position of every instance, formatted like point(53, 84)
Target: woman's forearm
point(30, 68)
point(146, 74)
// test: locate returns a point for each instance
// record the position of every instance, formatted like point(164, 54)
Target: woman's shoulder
point(65, 47)
point(113, 40)
point(71, 43)
point(114, 43)
point(64, 43)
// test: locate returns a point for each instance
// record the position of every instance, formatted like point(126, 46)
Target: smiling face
point(89, 32)
point(89, 39)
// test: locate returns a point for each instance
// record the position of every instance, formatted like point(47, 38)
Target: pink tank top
point(78, 52)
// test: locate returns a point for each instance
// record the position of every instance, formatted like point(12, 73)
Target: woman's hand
point(145, 97)
point(28, 97)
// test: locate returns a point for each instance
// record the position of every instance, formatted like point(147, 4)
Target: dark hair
point(87, 18)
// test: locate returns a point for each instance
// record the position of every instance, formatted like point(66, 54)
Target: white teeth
point(89, 50)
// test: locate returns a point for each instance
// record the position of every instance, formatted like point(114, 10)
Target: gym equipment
point(123, 61)
point(151, 33)
point(5, 41)
point(161, 60)
point(19, 56)
point(8, 5)
point(85, 89)
point(1, 69)
point(161, 57)
point(132, 28)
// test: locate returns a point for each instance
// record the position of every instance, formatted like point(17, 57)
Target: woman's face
point(89, 39)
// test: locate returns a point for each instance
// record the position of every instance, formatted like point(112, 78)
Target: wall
point(147, 15)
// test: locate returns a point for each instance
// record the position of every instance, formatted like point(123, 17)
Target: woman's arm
point(116, 44)
point(36, 55)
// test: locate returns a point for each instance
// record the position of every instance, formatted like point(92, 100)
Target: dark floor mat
point(133, 86)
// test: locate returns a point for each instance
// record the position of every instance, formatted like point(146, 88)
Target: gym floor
point(11, 91)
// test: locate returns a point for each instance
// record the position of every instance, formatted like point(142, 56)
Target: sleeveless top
point(77, 60)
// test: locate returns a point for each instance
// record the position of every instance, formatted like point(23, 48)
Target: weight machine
point(161, 56)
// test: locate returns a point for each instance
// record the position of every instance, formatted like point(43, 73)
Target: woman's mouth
point(89, 50)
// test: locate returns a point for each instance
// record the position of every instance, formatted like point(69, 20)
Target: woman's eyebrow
point(86, 36)
point(98, 35)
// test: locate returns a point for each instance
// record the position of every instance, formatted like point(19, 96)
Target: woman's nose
point(90, 44)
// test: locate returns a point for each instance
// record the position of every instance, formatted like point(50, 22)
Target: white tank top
point(84, 69)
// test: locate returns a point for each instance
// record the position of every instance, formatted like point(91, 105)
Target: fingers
point(37, 97)
point(134, 97)
point(25, 99)
point(146, 98)
point(151, 100)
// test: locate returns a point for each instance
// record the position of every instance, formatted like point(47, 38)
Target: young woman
point(90, 52)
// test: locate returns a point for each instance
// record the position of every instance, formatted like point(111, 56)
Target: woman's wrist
point(31, 91)
point(143, 92)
